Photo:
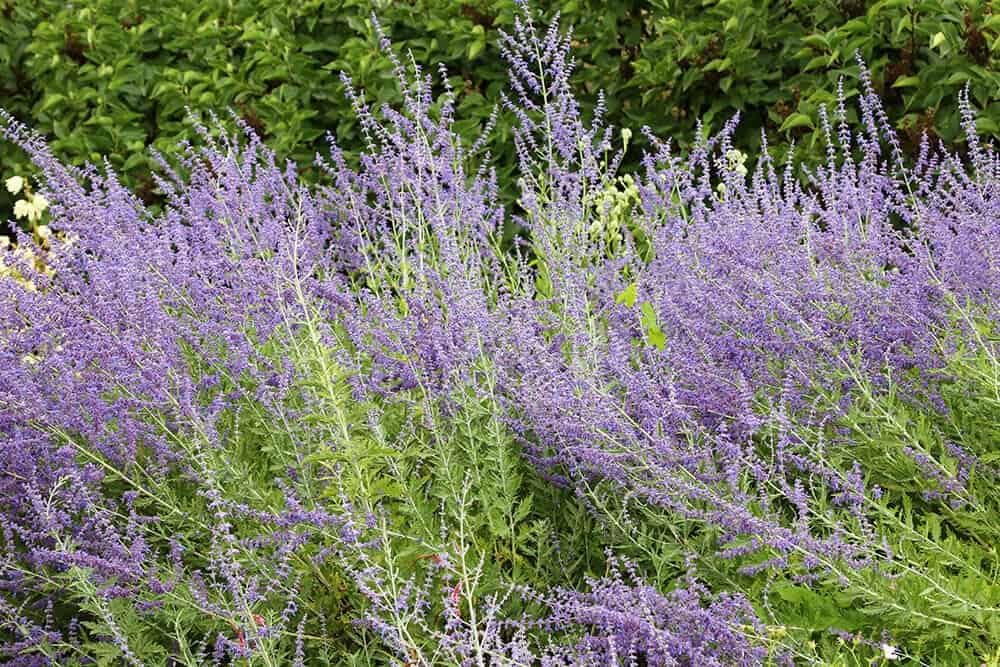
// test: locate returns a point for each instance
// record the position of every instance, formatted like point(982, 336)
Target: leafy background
point(113, 77)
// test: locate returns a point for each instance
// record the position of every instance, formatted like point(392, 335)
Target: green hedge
point(110, 77)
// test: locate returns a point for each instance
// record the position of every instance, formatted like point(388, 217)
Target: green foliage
point(778, 62)
point(112, 77)
point(109, 79)
point(939, 592)
point(452, 488)
point(937, 589)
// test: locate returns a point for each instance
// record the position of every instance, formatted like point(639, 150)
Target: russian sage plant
point(697, 415)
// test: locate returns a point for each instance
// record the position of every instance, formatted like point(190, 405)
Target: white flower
point(40, 202)
point(23, 208)
point(890, 652)
point(43, 231)
point(626, 135)
point(31, 208)
point(737, 161)
point(14, 184)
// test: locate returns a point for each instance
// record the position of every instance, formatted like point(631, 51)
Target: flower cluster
point(32, 206)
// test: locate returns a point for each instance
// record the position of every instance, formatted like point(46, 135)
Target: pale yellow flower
point(23, 208)
point(737, 161)
point(40, 202)
point(31, 208)
point(14, 184)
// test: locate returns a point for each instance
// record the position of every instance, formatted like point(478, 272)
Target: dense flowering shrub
point(671, 423)
point(108, 77)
